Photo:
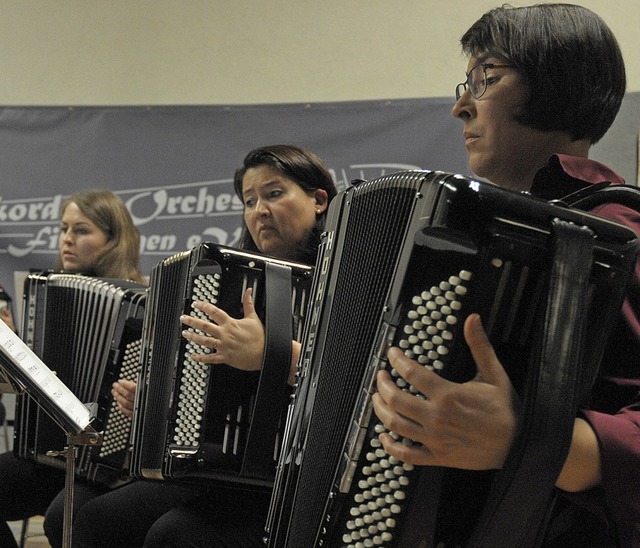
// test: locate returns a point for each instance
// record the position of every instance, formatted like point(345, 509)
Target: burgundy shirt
point(614, 412)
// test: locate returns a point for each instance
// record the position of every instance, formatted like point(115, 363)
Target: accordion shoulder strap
point(259, 458)
point(517, 509)
point(602, 193)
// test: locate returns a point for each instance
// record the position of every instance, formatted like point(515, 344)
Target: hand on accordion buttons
point(226, 340)
point(6, 317)
point(124, 393)
point(460, 425)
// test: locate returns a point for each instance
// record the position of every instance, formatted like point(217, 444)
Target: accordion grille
point(347, 361)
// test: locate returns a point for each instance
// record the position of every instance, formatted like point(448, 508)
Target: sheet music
point(22, 363)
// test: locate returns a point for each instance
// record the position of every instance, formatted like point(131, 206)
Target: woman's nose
point(461, 108)
point(262, 208)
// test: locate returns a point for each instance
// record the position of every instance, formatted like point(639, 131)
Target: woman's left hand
point(236, 342)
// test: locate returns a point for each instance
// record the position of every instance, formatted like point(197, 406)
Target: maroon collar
point(565, 174)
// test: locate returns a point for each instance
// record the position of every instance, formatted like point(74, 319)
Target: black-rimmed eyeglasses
point(476, 81)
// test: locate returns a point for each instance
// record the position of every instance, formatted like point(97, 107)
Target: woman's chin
point(70, 266)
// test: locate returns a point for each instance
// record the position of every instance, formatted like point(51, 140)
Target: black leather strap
point(601, 193)
point(518, 506)
point(258, 461)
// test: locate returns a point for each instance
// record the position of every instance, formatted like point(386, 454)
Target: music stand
point(29, 374)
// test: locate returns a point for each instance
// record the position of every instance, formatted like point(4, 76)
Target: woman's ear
point(322, 200)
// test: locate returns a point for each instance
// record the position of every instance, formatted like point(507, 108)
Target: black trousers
point(118, 517)
point(26, 490)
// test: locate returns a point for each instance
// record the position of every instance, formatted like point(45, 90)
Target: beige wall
point(124, 52)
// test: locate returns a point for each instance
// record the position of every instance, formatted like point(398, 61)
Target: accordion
point(88, 330)
point(202, 422)
point(404, 260)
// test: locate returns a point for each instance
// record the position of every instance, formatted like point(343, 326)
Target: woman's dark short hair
point(569, 59)
point(303, 167)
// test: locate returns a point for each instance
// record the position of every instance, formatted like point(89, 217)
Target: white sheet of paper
point(14, 347)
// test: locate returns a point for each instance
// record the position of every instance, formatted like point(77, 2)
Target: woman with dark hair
point(567, 58)
point(97, 238)
point(543, 84)
point(304, 168)
point(285, 191)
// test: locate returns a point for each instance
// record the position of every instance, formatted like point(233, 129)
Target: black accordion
point(404, 260)
point(88, 331)
point(200, 422)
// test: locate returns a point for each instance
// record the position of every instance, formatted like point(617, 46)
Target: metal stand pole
point(68, 494)
point(88, 437)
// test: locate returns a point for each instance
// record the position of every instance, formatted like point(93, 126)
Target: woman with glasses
point(544, 83)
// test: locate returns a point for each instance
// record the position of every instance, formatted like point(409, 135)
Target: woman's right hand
point(236, 342)
point(6, 317)
point(124, 392)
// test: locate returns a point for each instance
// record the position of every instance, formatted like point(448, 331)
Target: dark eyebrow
point(484, 58)
point(267, 185)
point(272, 183)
